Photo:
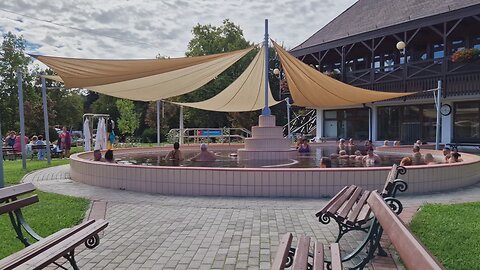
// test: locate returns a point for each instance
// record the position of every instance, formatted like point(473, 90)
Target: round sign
point(445, 109)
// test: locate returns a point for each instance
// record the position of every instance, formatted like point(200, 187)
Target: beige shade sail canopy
point(246, 93)
point(143, 80)
point(310, 88)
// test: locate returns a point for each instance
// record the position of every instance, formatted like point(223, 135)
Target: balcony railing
point(458, 78)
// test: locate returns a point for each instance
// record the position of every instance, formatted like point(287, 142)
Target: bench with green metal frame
point(351, 212)
point(44, 251)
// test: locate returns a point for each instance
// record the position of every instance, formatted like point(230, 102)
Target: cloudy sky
point(143, 29)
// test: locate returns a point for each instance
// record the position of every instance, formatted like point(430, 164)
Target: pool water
point(228, 159)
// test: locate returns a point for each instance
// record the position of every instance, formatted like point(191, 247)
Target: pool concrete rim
point(400, 151)
point(268, 182)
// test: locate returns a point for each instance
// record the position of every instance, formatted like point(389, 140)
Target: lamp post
point(276, 72)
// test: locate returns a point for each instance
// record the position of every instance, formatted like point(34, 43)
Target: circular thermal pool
point(227, 176)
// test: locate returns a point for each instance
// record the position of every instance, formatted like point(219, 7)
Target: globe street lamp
point(401, 47)
point(276, 71)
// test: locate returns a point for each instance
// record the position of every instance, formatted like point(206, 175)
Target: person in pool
point(109, 156)
point(342, 145)
point(175, 154)
point(325, 162)
point(304, 147)
point(371, 158)
point(204, 154)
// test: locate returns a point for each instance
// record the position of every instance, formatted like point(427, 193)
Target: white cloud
point(143, 29)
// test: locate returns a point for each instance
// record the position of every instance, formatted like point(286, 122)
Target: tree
point(129, 120)
point(68, 107)
point(106, 104)
point(208, 39)
point(14, 58)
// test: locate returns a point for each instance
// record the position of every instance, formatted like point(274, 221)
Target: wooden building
point(442, 43)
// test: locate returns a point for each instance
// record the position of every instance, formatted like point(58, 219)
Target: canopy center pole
point(266, 110)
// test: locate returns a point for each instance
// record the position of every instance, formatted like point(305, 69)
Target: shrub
point(149, 135)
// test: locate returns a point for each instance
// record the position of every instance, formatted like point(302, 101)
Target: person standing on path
point(66, 142)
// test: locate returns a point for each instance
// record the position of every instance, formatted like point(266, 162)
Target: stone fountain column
point(267, 142)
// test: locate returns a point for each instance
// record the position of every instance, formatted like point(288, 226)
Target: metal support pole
point(45, 119)
point(22, 119)
point(287, 101)
point(158, 122)
point(439, 117)
point(2, 181)
point(180, 135)
point(369, 123)
point(266, 110)
point(280, 85)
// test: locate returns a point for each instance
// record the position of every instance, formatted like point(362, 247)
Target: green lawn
point(52, 213)
point(451, 233)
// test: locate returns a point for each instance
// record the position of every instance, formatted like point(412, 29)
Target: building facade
point(441, 41)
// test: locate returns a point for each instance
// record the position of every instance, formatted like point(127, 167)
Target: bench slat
point(412, 252)
point(17, 204)
point(300, 260)
point(352, 217)
point(332, 201)
point(364, 213)
point(336, 257)
point(338, 203)
point(348, 206)
point(282, 251)
point(37, 248)
point(318, 256)
point(62, 248)
point(16, 190)
point(390, 178)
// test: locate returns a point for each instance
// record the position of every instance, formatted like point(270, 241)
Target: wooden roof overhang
point(391, 30)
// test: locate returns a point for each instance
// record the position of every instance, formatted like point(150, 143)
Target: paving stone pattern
point(149, 231)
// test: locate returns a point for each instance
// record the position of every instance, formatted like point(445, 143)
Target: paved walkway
point(149, 231)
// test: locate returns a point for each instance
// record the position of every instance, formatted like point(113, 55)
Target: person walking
point(66, 142)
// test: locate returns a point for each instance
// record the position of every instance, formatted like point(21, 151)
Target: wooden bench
point(351, 212)
point(303, 259)
point(10, 153)
point(46, 250)
point(36, 148)
point(413, 254)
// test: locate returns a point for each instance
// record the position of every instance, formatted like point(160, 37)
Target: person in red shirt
point(66, 142)
point(18, 144)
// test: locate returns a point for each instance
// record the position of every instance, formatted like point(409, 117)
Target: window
point(438, 51)
point(467, 121)
point(348, 123)
point(361, 63)
point(376, 63)
point(476, 42)
point(407, 123)
point(388, 62)
point(457, 45)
